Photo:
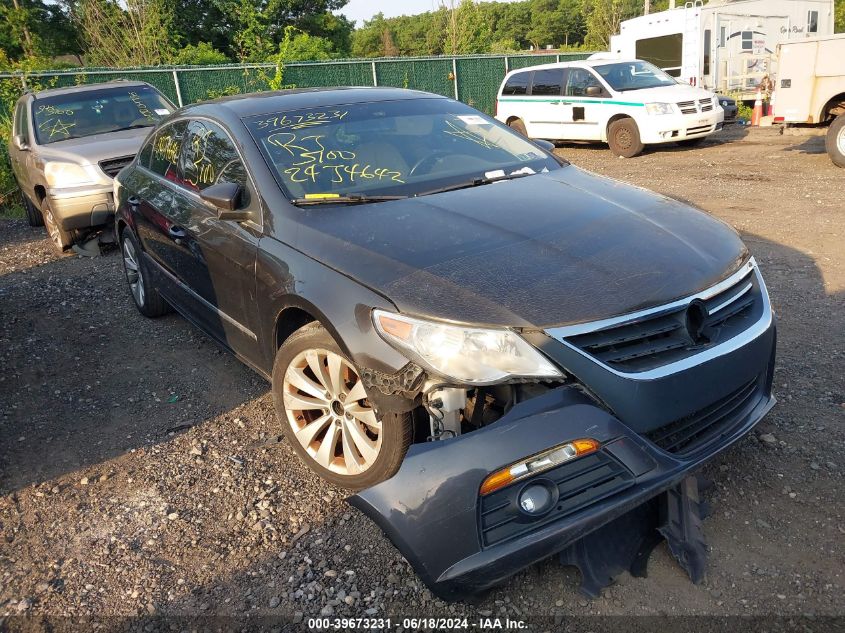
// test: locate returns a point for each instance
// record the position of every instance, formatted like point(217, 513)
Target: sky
point(360, 10)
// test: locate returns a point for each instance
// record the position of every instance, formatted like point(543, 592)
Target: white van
point(627, 104)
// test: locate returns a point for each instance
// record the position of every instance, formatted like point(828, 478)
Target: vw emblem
point(696, 316)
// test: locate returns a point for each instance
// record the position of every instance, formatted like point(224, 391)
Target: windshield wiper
point(352, 198)
point(476, 182)
point(135, 127)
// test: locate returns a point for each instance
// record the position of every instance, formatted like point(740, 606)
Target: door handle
point(133, 201)
point(176, 231)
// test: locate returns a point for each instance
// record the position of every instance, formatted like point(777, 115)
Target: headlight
point(660, 108)
point(724, 104)
point(66, 174)
point(475, 356)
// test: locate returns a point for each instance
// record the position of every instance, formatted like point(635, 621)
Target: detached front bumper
point(460, 543)
point(81, 207)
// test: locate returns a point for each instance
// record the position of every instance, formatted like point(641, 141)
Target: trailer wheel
point(623, 136)
point(835, 141)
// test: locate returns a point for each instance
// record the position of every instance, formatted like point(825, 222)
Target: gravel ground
point(141, 469)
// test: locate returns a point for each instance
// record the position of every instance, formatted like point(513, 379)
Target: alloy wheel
point(328, 410)
point(52, 227)
point(134, 276)
point(840, 141)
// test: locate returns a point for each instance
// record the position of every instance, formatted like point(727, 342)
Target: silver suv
point(69, 143)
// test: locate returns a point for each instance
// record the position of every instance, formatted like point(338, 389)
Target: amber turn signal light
point(537, 464)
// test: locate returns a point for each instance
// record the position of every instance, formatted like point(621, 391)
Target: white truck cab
point(627, 104)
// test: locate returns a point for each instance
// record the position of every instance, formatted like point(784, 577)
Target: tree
point(474, 34)
point(203, 54)
point(839, 16)
point(140, 34)
point(34, 28)
point(604, 18)
point(304, 47)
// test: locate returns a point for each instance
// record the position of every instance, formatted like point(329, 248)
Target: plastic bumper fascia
point(429, 509)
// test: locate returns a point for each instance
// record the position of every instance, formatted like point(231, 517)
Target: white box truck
point(810, 88)
point(726, 46)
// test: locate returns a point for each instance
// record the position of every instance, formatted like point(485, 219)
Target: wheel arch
point(834, 107)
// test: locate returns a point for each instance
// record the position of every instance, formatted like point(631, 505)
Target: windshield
point(390, 148)
point(78, 114)
point(634, 76)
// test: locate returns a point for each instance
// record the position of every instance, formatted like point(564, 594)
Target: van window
point(747, 40)
point(579, 80)
point(664, 51)
point(723, 36)
point(812, 21)
point(707, 45)
point(517, 84)
point(547, 82)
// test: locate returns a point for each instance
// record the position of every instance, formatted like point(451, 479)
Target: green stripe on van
point(570, 100)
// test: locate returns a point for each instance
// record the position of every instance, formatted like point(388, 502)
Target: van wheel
point(835, 141)
point(60, 238)
point(327, 417)
point(33, 213)
point(518, 126)
point(623, 136)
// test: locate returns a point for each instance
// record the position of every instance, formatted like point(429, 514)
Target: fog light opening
point(536, 499)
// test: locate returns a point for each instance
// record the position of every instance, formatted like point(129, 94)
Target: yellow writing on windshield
point(313, 161)
point(142, 107)
point(54, 126)
point(300, 121)
point(202, 171)
point(467, 135)
point(54, 111)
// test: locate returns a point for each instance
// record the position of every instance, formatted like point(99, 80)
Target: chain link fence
point(472, 79)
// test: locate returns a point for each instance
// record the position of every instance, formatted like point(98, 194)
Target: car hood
point(89, 150)
point(668, 94)
point(551, 249)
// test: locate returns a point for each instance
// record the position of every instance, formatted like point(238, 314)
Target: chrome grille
point(663, 336)
point(700, 129)
point(112, 166)
point(688, 107)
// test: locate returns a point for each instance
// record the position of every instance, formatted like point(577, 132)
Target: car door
point(583, 105)
point(153, 185)
point(546, 99)
point(217, 257)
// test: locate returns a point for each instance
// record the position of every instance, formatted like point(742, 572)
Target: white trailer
point(726, 46)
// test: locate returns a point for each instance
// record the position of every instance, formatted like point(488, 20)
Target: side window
point(208, 157)
point(517, 84)
point(165, 152)
point(146, 152)
point(22, 120)
point(547, 82)
point(812, 21)
point(579, 80)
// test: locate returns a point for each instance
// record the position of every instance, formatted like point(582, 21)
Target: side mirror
point(544, 144)
point(20, 143)
point(226, 197)
point(594, 91)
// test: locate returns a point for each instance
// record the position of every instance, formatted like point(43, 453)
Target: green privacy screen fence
point(472, 79)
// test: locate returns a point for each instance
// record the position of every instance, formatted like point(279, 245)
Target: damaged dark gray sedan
point(501, 352)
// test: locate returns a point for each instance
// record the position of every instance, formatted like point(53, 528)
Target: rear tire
point(33, 213)
point(144, 293)
point(835, 141)
point(60, 238)
point(518, 126)
point(623, 136)
point(326, 415)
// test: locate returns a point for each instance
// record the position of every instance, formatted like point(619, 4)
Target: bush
point(203, 54)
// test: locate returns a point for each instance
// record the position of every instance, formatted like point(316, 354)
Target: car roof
point(115, 83)
point(581, 63)
point(257, 103)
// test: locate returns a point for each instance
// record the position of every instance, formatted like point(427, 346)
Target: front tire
point(326, 415)
point(33, 213)
point(145, 295)
point(835, 141)
point(60, 238)
point(623, 136)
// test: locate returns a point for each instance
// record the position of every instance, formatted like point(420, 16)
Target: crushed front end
point(648, 398)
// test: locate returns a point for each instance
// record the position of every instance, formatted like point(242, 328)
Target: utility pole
point(646, 7)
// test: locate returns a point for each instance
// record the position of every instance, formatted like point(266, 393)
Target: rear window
point(80, 114)
point(517, 84)
point(547, 82)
